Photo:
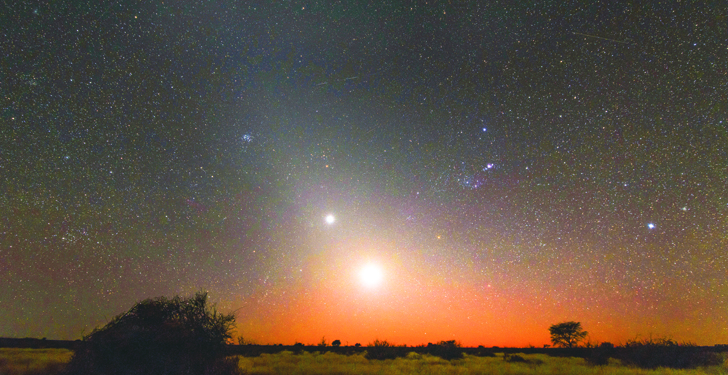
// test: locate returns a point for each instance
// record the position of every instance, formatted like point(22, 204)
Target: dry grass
point(52, 361)
point(336, 364)
point(33, 361)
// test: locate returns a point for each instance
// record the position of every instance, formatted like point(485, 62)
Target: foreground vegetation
point(159, 336)
point(14, 361)
point(331, 363)
point(52, 361)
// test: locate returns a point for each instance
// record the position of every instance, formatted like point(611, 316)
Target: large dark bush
point(159, 336)
point(654, 353)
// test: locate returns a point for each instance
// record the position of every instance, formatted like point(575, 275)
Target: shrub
point(446, 350)
point(513, 358)
point(243, 341)
point(662, 352)
point(482, 351)
point(298, 347)
point(323, 342)
point(159, 336)
point(600, 355)
point(383, 350)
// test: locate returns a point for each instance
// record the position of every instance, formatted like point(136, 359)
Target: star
point(222, 163)
point(330, 219)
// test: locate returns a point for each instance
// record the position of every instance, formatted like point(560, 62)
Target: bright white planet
point(371, 275)
point(330, 219)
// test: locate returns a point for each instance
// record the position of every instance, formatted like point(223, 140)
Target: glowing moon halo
point(371, 275)
point(330, 219)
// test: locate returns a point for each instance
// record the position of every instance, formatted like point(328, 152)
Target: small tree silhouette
point(336, 343)
point(567, 334)
point(244, 341)
point(159, 336)
point(323, 342)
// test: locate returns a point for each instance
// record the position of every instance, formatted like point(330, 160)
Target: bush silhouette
point(159, 336)
point(663, 352)
point(323, 342)
point(567, 334)
point(600, 355)
point(383, 350)
point(336, 343)
point(446, 350)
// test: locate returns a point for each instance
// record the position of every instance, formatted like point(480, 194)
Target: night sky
point(494, 167)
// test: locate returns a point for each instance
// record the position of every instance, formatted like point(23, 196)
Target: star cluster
point(508, 166)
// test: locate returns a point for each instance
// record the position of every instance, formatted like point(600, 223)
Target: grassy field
point(51, 361)
point(331, 363)
point(33, 361)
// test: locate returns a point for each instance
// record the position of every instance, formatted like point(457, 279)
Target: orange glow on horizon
point(415, 304)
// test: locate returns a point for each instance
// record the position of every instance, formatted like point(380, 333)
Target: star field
point(506, 167)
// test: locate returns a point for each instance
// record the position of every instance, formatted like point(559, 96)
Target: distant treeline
point(256, 350)
point(32, 343)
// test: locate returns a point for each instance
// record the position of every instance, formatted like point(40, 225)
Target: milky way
point(505, 167)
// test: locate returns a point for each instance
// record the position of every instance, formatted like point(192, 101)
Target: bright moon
point(371, 275)
point(330, 219)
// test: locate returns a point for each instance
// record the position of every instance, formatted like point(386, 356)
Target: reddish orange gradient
point(415, 305)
